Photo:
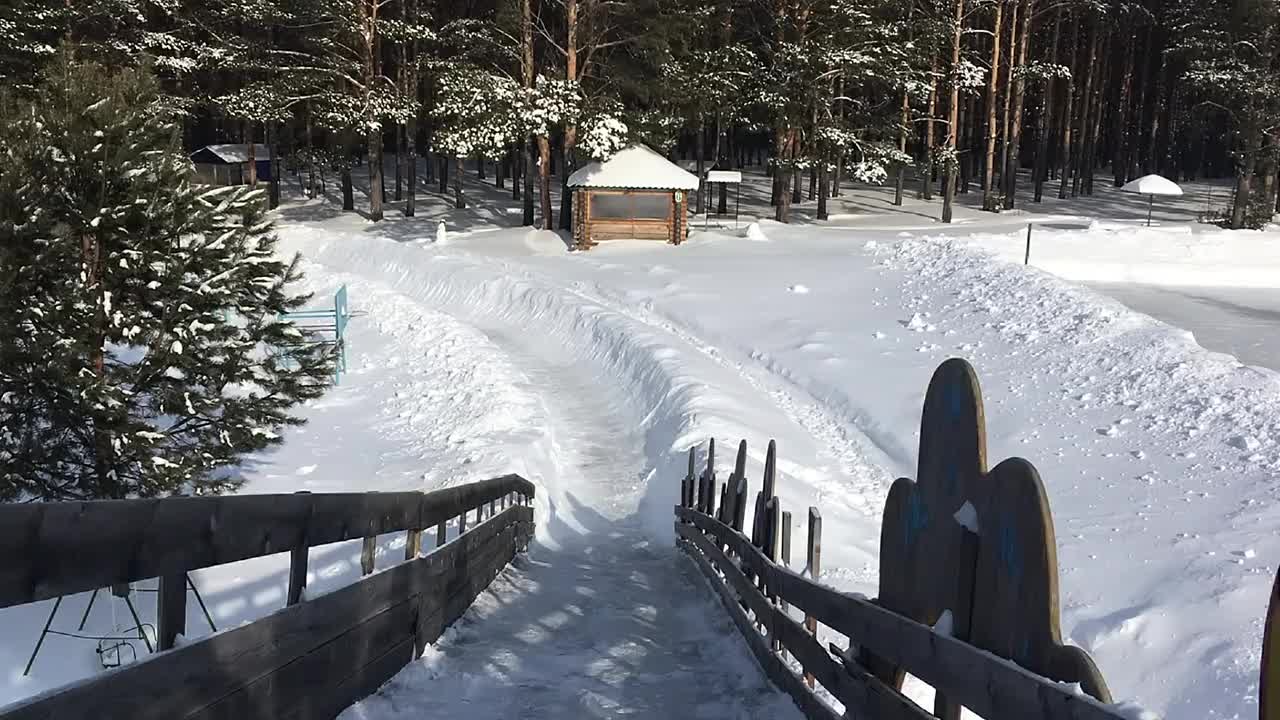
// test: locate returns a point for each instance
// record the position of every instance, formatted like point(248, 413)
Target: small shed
point(228, 164)
point(635, 194)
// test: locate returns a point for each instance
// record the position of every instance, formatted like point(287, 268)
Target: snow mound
point(755, 233)
point(545, 242)
point(798, 289)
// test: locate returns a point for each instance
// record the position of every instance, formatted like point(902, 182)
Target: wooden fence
point(977, 544)
point(309, 660)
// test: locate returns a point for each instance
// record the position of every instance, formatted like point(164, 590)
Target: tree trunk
point(699, 151)
point(1068, 118)
point(926, 180)
point(529, 166)
point(1013, 157)
point(1095, 130)
point(1244, 178)
point(1152, 162)
point(411, 157)
point(544, 181)
point(459, 198)
point(1006, 113)
point(988, 177)
point(517, 168)
point(572, 74)
point(783, 211)
point(1120, 142)
point(1082, 158)
point(899, 184)
point(273, 139)
point(822, 190)
point(949, 167)
point(500, 171)
point(797, 195)
point(779, 160)
point(252, 149)
point(399, 130)
point(442, 172)
point(372, 61)
point(1046, 112)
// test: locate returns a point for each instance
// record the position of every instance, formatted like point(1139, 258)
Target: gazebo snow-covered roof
point(235, 152)
point(634, 168)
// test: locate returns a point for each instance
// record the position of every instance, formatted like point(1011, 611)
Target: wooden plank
point(357, 686)
point(989, 686)
point(771, 664)
point(53, 549)
point(194, 676)
point(312, 678)
point(356, 663)
point(171, 610)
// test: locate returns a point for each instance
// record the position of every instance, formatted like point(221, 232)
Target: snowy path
point(601, 620)
point(1243, 322)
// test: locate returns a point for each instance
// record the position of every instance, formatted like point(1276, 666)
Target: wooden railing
point(962, 541)
point(311, 659)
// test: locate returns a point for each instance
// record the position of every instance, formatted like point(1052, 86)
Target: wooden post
point(442, 533)
point(462, 523)
point(786, 538)
point(711, 493)
point(413, 544)
point(772, 527)
point(171, 609)
point(298, 567)
point(813, 568)
point(366, 554)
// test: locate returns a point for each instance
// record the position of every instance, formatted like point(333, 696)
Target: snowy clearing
point(591, 374)
point(1157, 455)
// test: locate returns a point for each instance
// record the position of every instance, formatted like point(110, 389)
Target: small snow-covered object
point(442, 234)
point(755, 233)
point(798, 289)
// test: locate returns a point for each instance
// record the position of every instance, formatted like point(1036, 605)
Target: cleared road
point(1240, 322)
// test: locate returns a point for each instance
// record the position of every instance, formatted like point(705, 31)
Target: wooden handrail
point(989, 685)
point(53, 549)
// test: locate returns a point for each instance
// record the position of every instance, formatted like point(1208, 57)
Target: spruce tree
point(142, 351)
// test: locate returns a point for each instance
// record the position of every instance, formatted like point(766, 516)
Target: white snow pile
point(754, 232)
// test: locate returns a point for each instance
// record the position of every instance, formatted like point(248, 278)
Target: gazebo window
point(609, 205)
point(651, 206)
point(630, 205)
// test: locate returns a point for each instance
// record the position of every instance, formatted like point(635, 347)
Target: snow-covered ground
point(591, 374)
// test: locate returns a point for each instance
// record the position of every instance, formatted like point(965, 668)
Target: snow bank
point(1120, 253)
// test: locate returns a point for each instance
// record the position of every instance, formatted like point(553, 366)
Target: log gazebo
point(636, 194)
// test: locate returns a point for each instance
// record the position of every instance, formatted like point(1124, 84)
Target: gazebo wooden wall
point(614, 214)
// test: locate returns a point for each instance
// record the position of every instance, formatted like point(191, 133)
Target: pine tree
point(145, 354)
